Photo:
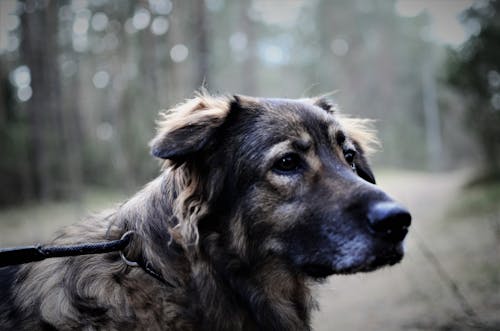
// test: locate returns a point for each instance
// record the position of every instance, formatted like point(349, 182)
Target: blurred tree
point(201, 33)
point(50, 131)
point(13, 173)
point(474, 70)
point(249, 65)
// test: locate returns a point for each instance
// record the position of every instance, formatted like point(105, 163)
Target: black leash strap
point(21, 255)
point(26, 254)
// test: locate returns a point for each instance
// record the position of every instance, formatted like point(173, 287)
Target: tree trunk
point(202, 33)
point(45, 118)
point(249, 67)
point(33, 28)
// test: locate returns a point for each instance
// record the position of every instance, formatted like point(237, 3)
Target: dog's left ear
point(325, 103)
point(362, 166)
point(364, 138)
point(188, 128)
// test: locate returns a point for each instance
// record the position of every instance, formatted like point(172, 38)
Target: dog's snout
point(389, 220)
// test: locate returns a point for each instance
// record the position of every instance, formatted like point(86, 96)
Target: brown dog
point(257, 199)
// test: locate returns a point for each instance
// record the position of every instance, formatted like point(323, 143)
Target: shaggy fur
point(257, 200)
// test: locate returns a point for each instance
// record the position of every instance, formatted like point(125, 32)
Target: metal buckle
point(124, 259)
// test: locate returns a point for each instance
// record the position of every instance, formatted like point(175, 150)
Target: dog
point(258, 200)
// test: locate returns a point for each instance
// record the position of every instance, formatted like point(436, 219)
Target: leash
point(26, 254)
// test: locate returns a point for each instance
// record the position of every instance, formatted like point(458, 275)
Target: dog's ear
point(245, 102)
point(187, 128)
point(326, 103)
point(362, 166)
point(364, 137)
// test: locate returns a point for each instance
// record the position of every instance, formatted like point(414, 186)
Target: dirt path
point(411, 295)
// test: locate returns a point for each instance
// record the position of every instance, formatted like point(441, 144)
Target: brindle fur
point(239, 242)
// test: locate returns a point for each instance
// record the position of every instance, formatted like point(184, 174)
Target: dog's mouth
point(388, 259)
point(366, 264)
point(318, 270)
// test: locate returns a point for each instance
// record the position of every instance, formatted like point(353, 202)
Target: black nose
point(389, 220)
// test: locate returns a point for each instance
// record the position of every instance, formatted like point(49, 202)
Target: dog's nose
point(389, 220)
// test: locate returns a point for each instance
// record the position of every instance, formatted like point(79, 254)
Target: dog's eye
point(349, 156)
point(287, 163)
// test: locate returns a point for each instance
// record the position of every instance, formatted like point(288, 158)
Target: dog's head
point(282, 178)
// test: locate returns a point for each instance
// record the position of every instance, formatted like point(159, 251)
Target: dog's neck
point(267, 291)
point(234, 294)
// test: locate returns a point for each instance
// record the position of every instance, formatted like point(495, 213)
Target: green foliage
point(474, 70)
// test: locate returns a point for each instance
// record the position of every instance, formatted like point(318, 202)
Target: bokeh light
point(99, 21)
point(101, 79)
point(179, 53)
point(159, 26)
point(141, 19)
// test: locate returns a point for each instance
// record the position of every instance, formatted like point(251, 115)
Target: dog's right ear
point(187, 128)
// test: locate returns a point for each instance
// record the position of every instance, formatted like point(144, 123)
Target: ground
point(449, 279)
